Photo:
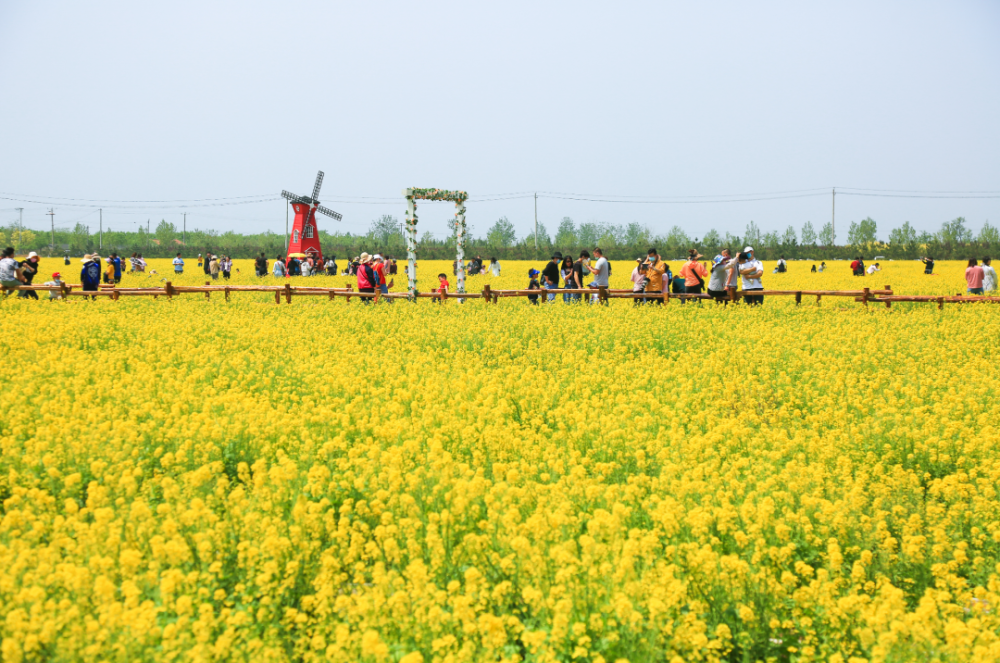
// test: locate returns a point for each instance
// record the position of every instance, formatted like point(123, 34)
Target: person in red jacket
point(366, 277)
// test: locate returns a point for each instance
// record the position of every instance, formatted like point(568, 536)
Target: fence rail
point(866, 296)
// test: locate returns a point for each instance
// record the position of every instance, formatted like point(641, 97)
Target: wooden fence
point(866, 296)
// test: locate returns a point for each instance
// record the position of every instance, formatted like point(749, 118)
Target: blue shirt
point(91, 274)
point(118, 268)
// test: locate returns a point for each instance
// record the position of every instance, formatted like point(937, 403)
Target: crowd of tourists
point(653, 277)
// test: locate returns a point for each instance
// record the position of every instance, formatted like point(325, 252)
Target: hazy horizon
point(113, 101)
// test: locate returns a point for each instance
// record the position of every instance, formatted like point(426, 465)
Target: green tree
point(566, 233)
point(808, 234)
point(677, 239)
point(789, 239)
point(752, 235)
point(954, 232)
point(544, 241)
point(712, 240)
point(904, 238)
point(989, 235)
point(769, 240)
point(588, 234)
point(385, 229)
point(862, 233)
point(827, 236)
point(502, 233)
point(636, 234)
point(165, 231)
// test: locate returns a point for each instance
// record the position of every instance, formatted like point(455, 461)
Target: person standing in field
point(90, 275)
point(751, 270)
point(693, 273)
point(717, 281)
point(874, 268)
point(732, 273)
point(279, 268)
point(178, 265)
point(208, 263)
point(974, 277)
point(654, 271)
point(782, 266)
point(550, 275)
point(989, 276)
point(226, 265)
point(822, 267)
point(568, 276)
point(117, 262)
point(494, 267)
point(213, 268)
point(29, 267)
point(10, 272)
point(260, 265)
point(109, 271)
point(639, 280)
point(366, 277)
point(928, 265)
point(533, 285)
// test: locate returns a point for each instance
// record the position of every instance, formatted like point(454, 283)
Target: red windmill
point(305, 234)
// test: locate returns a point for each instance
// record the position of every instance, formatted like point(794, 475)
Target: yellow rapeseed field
point(192, 480)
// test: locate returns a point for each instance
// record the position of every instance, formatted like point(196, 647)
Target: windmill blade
point(291, 196)
point(329, 212)
point(319, 183)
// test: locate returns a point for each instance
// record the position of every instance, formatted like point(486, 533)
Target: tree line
point(954, 240)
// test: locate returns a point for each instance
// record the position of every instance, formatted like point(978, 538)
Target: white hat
point(365, 258)
point(749, 249)
point(32, 254)
point(377, 256)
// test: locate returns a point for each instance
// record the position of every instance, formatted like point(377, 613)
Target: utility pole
point(52, 218)
point(833, 216)
point(20, 223)
point(536, 221)
point(185, 231)
point(148, 243)
point(100, 242)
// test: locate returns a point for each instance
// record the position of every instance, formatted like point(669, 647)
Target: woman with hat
point(90, 275)
point(28, 269)
point(693, 273)
point(366, 277)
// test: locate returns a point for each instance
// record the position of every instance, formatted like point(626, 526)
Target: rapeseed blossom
point(211, 480)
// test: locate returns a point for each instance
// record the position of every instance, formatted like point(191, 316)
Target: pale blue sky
point(189, 100)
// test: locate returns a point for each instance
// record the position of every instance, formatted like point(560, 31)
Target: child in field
point(442, 288)
point(533, 285)
point(56, 280)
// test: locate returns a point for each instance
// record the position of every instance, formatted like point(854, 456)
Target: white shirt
point(748, 283)
point(495, 268)
point(54, 294)
point(717, 281)
point(7, 269)
point(279, 268)
point(601, 277)
point(873, 269)
point(306, 271)
point(178, 264)
point(989, 278)
point(821, 268)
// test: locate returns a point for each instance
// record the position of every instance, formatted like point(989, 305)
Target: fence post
point(114, 294)
point(170, 290)
point(208, 294)
point(940, 303)
point(288, 293)
point(486, 293)
point(331, 294)
point(818, 297)
point(798, 298)
point(602, 295)
point(864, 297)
point(64, 289)
point(277, 296)
point(227, 293)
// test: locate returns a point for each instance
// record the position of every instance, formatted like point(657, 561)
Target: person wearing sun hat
point(717, 281)
point(90, 275)
point(693, 273)
point(29, 267)
point(366, 277)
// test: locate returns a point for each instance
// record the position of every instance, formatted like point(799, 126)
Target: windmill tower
point(305, 234)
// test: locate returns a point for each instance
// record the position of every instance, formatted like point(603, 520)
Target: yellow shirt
point(655, 275)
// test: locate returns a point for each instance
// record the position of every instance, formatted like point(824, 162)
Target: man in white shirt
point(873, 268)
point(720, 272)
point(751, 270)
point(178, 264)
point(600, 271)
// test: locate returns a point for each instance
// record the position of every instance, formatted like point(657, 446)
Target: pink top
point(974, 276)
